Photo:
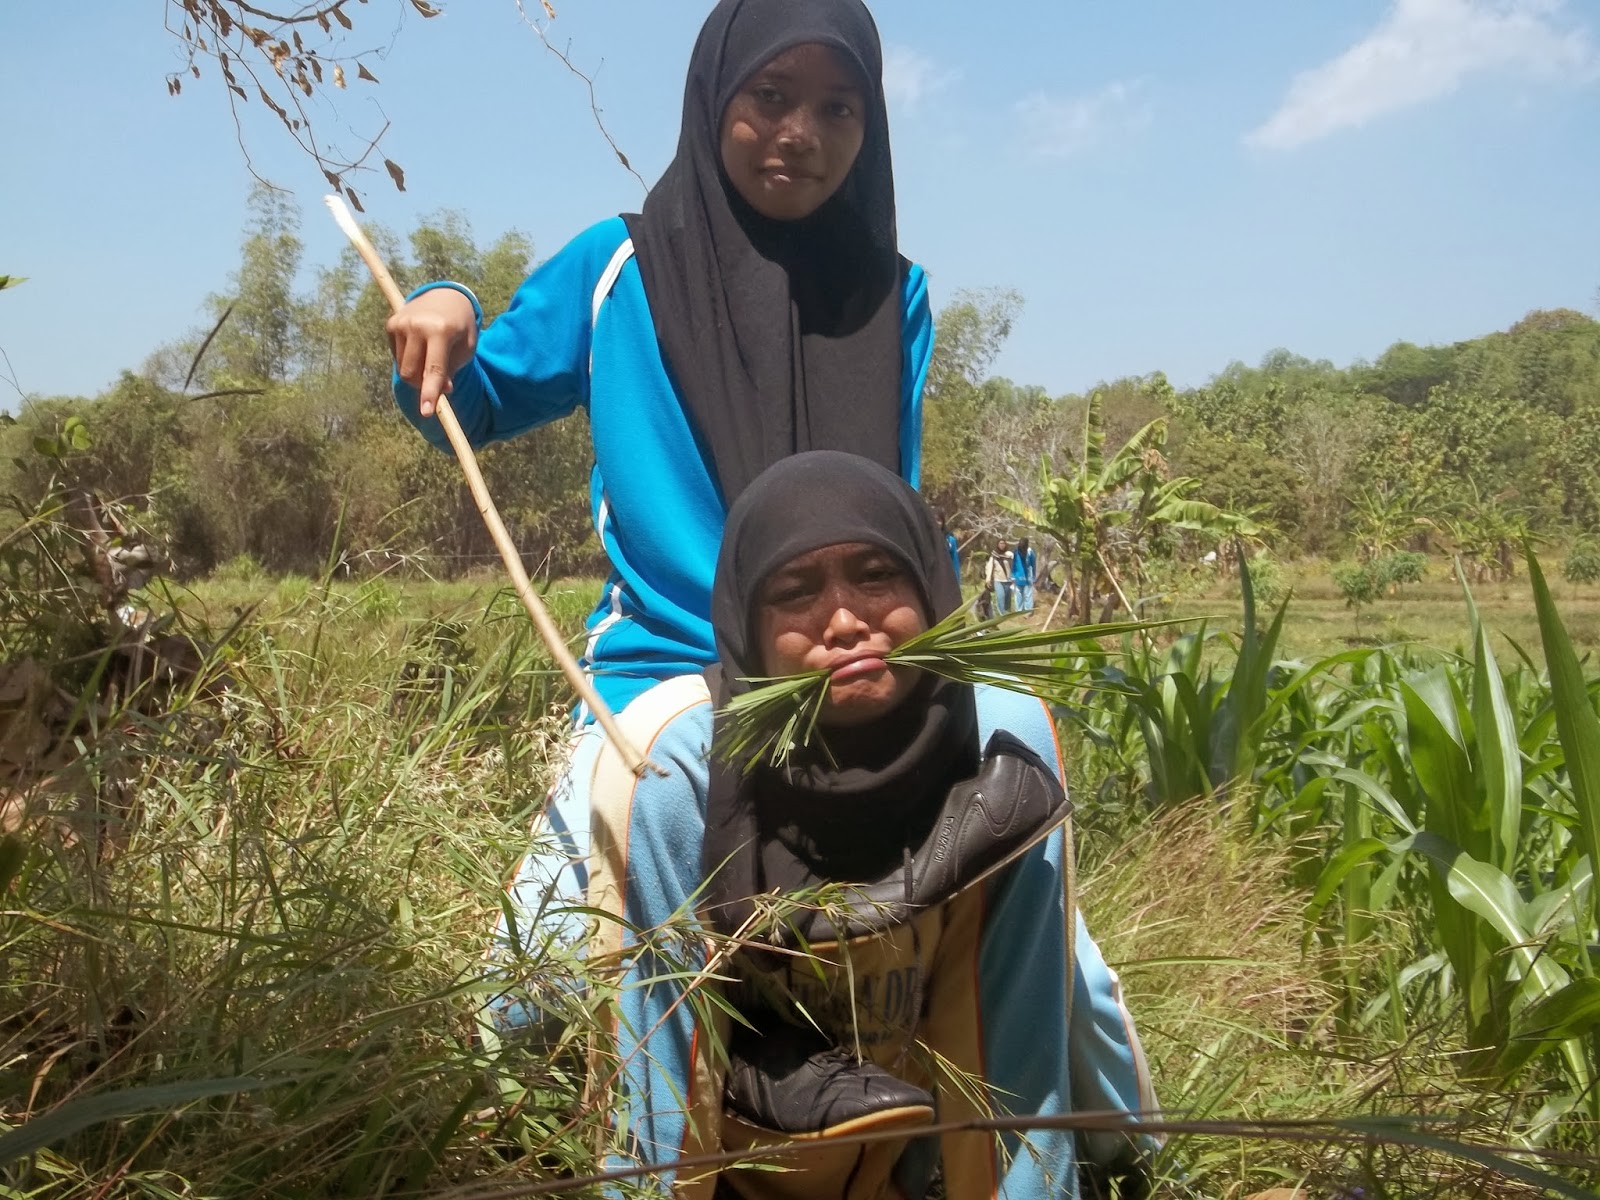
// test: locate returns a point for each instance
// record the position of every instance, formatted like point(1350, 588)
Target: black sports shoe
point(790, 1081)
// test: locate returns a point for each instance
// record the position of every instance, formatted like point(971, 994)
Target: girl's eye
point(841, 110)
point(768, 94)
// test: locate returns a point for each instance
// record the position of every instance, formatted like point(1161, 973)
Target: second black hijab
point(850, 818)
point(781, 336)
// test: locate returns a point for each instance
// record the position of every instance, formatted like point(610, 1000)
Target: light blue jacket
point(579, 334)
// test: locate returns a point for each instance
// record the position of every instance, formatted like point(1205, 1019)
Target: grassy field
point(1431, 613)
point(290, 884)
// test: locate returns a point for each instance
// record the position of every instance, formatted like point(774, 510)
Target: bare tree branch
point(284, 69)
point(594, 104)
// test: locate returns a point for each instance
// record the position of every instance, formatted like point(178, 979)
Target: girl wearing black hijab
point(925, 957)
point(756, 307)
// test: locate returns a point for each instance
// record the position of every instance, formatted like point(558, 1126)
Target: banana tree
point(1486, 532)
point(1386, 519)
point(1105, 512)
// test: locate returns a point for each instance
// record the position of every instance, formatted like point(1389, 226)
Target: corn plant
point(1488, 783)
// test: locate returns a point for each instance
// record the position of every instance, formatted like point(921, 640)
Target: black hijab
point(781, 336)
point(846, 813)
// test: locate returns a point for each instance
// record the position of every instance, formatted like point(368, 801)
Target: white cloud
point(910, 77)
point(1057, 127)
point(1422, 50)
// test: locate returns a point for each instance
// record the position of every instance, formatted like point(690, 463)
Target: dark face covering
point(781, 336)
point(849, 812)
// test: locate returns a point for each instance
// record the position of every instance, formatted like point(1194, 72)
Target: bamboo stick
point(554, 642)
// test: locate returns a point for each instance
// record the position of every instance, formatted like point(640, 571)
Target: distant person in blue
point(951, 544)
point(758, 306)
point(1024, 570)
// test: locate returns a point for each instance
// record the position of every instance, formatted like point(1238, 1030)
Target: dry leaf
point(338, 15)
point(363, 73)
point(395, 173)
point(338, 76)
point(355, 200)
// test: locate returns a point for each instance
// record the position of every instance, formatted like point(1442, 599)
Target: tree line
point(268, 437)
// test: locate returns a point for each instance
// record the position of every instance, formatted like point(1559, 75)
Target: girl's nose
point(798, 133)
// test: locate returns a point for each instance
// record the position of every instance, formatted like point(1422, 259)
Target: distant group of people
point(1009, 573)
point(1009, 576)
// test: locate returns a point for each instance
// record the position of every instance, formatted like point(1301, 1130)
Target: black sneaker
point(788, 1080)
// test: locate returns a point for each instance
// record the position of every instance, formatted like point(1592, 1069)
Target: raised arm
point(527, 368)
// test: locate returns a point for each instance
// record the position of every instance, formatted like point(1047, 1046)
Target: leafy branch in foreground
point(779, 714)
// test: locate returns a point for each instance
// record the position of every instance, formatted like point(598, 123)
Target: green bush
point(377, 600)
point(241, 568)
point(292, 590)
point(1269, 582)
point(1357, 583)
point(1403, 566)
point(1583, 563)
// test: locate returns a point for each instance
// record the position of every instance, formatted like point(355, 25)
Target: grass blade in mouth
point(779, 714)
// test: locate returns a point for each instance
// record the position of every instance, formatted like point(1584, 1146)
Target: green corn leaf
point(1577, 726)
point(1489, 893)
point(1380, 796)
point(1499, 754)
point(1567, 1015)
point(1356, 854)
point(1439, 758)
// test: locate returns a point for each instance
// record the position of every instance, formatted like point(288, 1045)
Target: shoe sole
point(910, 1116)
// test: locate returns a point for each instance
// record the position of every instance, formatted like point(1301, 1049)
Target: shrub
point(1403, 566)
point(377, 600)
point(1362, 583)
point(1583, 562)
point(292, 590)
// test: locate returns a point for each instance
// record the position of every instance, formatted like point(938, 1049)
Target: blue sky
point(1171, 185)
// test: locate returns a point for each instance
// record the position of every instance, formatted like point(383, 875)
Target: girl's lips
point(857, 667)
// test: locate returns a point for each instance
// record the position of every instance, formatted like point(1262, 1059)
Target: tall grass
point(242, 936)
point(270, 906)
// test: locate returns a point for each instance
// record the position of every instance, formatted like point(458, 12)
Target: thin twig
point(11, 376)
point(228, 392)
point(594, 103)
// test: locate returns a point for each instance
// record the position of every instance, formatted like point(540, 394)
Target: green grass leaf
point(75, 1116)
